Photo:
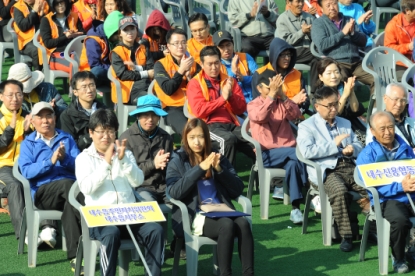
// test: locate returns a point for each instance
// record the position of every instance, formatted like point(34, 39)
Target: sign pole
point(139, 250)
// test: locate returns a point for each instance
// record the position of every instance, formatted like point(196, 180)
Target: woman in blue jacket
point(196, 174)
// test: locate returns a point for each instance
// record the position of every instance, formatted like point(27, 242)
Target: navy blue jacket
point(93, 49)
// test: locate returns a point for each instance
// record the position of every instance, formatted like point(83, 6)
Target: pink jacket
point(269, 122)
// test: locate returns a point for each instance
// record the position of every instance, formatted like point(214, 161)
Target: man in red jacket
point(218, 99)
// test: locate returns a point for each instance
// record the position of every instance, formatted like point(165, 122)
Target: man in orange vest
point(218, 99)
point(172, 74)
point(282, 58)
point(199, 26)
point(27, 15)
point(240, 66)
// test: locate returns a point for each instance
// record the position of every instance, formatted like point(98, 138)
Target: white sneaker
point(278, 193)
point(39, 240)
point(315, 204)
point(296, 216)
point(48, 235)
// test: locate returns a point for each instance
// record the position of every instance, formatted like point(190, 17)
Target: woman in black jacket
point(196, 174)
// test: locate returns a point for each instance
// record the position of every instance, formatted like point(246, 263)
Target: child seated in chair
point(270, 115)
point(107, 173)
point(57, 29)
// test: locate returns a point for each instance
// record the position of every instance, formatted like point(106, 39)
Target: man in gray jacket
point(395, 100)
point(339, 37)
point(256, 20)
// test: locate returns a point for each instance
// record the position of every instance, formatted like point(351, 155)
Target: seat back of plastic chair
point(30, 208)
point(74, 48)
point(245, 131)
point(179, 15)
point(7, 36)
point(13, 34)
point(379, 40)
point(46, 68)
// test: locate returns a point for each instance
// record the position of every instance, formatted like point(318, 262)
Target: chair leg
point(363, 242)
point(22, 234)
point(264, 197)
point(64, 248)
point(251, 183)
point(79, 256)
point(306, 211)
point(124, 261)
point(326, 220)
point(383, 230)
point(179, 244)
point(192, 255)
point(90, 258)
point(215, 260)
point(287, 200)
point(33, 233)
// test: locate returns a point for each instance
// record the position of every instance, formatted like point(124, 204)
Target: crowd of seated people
point(204, 90)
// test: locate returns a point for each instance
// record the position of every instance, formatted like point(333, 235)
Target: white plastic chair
point(74, 47)
point(326, 211)
point(304, 67)
point(382, 67)
point(17, 56)
point(377, 12)
point(50, 75)
point(193, 243)
point(382, 228)
point(5, 45)
point(31, 221)
point(121, 108)
point(265, 175)
point(379, 39)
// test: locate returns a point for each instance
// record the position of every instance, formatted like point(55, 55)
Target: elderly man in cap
point(47, 160)
point(35, 89)
point(151, 147)
point(104, 165)
point(388, 146)
point(270, 115)
point(240, 66)
point(395, 100)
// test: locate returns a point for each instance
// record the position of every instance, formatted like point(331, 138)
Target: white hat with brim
point(30, 80)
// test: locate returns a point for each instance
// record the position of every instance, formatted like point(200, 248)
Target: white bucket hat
point(30, 80)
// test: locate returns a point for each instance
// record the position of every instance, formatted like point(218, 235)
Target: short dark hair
point(321, 2)
point(209, 51)
point(80, 76)
point(324, 93)
point(105, 118)
point(175, 31)
point(198, 17)
point(7, 82)
point(407, 5)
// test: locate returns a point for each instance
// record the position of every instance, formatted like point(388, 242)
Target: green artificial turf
point(280, 248)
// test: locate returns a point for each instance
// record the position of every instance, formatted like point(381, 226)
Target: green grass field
point(280, 248)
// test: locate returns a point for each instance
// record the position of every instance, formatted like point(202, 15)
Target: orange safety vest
point(205, 91)
point(127, 85)
point(5, 3)
point(194, 47)
point(72, 25)
point(242, 65)
point(292, 81)
point(179, 97)
point(24, 37)
point(83, 60)
point(85, 10)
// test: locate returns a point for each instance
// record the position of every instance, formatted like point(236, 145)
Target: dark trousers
point(175, 118)
point(54, 196)
point(101, 76)
point(15, 197)
point(397, 213)
point(227, 138)
point(254, 44)
point(296, 174)
point(148, 235)
point(356, 69)
point(224, 231)
point(337, 184)
point(31, 51)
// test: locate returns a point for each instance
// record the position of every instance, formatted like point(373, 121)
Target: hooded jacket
point(292, 78)
point(75, 121)
point(35, 160)
point(182, 185)
point(156, 19)
point(398, 35)
point(144, 150)
point(374, 153)
point(93, 54)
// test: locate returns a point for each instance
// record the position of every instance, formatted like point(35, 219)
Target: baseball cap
point(40, 106)
point(265, 76)
point(126, 21)
point(220, 36)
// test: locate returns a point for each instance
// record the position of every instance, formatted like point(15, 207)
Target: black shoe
point(346, 245)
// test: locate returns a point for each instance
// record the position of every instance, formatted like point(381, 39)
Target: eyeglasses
point(177, 44)
point(331, 105)
point(15, 95)
point(85, 87)
point(199, 31)
point(285, 55)
point(401, 101)
point(101, 133)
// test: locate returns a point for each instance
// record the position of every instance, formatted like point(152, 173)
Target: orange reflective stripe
point(194, 47)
